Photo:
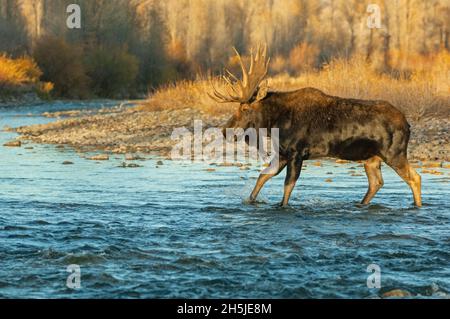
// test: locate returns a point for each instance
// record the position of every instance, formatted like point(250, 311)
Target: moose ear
point(262, 92)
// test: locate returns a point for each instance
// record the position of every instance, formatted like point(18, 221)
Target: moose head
point(248, 92)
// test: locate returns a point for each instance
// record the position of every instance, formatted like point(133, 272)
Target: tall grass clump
point(416, 93)
point(18, 72)
point(21, 75)
point(188, 94)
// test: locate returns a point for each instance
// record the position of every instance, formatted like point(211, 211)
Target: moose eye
point(246, 108)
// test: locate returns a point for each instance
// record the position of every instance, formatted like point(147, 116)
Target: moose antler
point(243, 90)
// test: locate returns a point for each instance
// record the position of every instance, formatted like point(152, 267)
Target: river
point(179, 230)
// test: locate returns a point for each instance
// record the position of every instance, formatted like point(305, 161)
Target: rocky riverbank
point(130, 130)
point(19, 99)
point(117, 130)
point(430, 139)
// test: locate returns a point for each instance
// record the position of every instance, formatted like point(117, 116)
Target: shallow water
point(180, 231)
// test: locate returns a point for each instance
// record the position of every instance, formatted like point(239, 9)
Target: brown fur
point(313, 124)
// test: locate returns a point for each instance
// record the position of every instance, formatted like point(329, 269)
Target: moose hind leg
point(411, 177)
point(373, 171)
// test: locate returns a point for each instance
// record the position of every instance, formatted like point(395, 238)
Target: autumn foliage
point(17, 72)
point(127, 48)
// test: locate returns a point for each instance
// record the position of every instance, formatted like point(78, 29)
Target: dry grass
point(424, 91)
point(21, 75)
point(17, 72)
point(416, 95)
point(187, 94)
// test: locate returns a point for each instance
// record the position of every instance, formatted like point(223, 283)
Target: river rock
point(319, 164)
point(7, 128)
point(67, 163)
point(133, 157)
point(225, 164)
point(99, 157)
point(431, 171)
point(431, 164)
point(133, 165)
point(129, 165)
point(13, 144)
point(396, 293)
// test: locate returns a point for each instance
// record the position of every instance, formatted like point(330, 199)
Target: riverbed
point(170, 229)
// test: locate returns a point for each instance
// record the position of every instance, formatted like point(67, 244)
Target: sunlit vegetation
point(423, 92)
point(16, 72)
point(416, 94)
point(127, 48)
point(21, 75)
point(187, 94)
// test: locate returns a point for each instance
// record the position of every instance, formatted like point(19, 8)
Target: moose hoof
point(249, 201)
point(363, 203)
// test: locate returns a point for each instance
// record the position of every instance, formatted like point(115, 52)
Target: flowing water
point(178, 230)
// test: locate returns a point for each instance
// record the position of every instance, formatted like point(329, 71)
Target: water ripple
point(180, 231)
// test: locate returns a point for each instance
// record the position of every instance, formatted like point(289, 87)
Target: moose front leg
point(294, 167)
point(266, 174)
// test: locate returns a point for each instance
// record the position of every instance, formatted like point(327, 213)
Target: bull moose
point(313, 124)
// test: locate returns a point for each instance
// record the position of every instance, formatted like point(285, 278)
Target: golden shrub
point(17, 72)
